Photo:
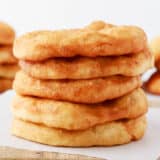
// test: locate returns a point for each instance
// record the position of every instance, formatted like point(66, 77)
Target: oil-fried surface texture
point(6, 56)
point(155, 48)
point(157, 64)
point(90, 41)
point(86, 68)
point(153, 84)
point(8, 70)
point(83, 91)
point(7, 34)
point(74, 116)
point(5, 84)
point(98, 25)
point(107, 134)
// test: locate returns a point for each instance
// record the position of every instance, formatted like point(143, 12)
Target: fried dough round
point(5, 84)
point(153, 84)
point(115, 40)
point(107, 134)
point(7, 34)
point(6, 56)
point(8, 70)
point(74, 116)
point(82, 91)
point(87, 68)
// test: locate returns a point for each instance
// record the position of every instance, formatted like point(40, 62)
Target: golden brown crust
point(98, 25)
point(87, 68)
point(6, 56)
point(83, 91)
point(116, 40)
point(7, 34)
point(155, 48)
point(108, 134)
point(73, 116)
point(157, 64)
point(5, 84)
point(153, 84)
point(8, 70)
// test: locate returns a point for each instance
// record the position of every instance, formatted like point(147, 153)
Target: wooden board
point(8, 153)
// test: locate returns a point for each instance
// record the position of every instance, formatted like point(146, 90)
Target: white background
point(28, 15)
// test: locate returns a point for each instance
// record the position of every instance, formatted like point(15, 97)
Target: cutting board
point(8, 153)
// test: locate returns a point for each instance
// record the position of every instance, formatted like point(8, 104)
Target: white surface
point(146, 149)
